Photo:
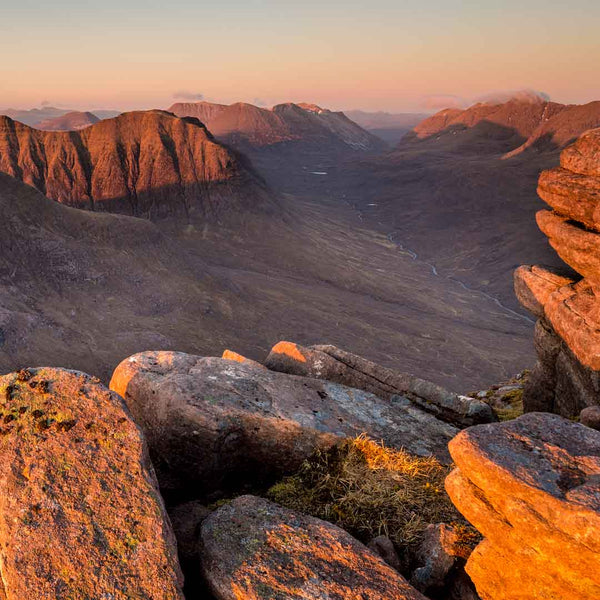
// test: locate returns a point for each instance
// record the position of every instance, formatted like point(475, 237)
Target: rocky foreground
point(81, 514)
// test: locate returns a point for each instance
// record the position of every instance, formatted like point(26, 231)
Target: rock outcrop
point(332, 364)
point(148, 164)
point(214, 424)
point(252, 548)
point(567, 379)
point(531, 486)
point(80, 512)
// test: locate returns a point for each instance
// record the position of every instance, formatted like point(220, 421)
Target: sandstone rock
point(534, 285)
point(579, 248)
point(583, 156)
point(216, 424)
point(332, 364)
point(80, 512)
point(572, 195)
point(253, 548)
point(531, 487)
point(590, 417)
point(384, 547)
point(231, 355)
point(436, 556)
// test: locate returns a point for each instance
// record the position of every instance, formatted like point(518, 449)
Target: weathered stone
point(384, 547)
point(80, 512)
point(436, 556)
point(255, 549)
point(559, 382)
point(332, 364)
point(215, 424)
point(583, 156)
point(572, 195)
point(532, 488)
point(590, 417)
point(534, 285)
point(579, 248)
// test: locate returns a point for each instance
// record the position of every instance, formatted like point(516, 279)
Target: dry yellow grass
point(370, 490)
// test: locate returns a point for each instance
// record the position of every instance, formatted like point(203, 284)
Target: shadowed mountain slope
point(149, 164)
point(84, 290)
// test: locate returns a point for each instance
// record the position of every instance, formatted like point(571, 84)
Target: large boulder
point(333, 364)
point(80, 512)
point(532, 488)
point(252, 548)
point(215, 425)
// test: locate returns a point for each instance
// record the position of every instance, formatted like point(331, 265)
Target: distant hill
point(509, 127)
point(149, 164)
point(36, 115)
point(246, 126)
point(390, 127)
point(72, 121)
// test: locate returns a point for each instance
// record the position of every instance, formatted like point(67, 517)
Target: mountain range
point(249, 127)
point(148, 164)
point(71, 121)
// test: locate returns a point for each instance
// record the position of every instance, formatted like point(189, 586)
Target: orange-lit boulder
point(578, 247)
point(215, 424)
point(252, 548)
point(534, 285)
point(583, 156)
point(333, 364)
point(532, 488)
point(571, 195)
point(80, 512)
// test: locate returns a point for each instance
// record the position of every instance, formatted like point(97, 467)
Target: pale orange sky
point(376, 55)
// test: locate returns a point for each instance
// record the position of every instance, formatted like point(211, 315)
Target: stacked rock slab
point(80, 512)
point(531, 486)
point(566, 378)
point(333, 364)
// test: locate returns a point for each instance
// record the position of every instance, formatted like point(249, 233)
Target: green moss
point(514, 398)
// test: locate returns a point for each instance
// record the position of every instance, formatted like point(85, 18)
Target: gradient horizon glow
point(388, 55)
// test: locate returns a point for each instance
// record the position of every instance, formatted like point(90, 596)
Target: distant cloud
point(525, 95)
point(440, 101)
point(185, 95)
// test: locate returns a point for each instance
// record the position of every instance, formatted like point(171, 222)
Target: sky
point(391, 55)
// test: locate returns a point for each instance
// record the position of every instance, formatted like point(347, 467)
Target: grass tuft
point(370, 490)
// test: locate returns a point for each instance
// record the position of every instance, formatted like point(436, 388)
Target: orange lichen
point(231, 355)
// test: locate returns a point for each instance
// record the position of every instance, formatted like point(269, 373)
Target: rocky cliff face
point(148, 164)
point(566, 378)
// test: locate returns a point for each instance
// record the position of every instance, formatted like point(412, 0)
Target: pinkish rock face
point(252, 548)
point(531, 487)
point(80, 511)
